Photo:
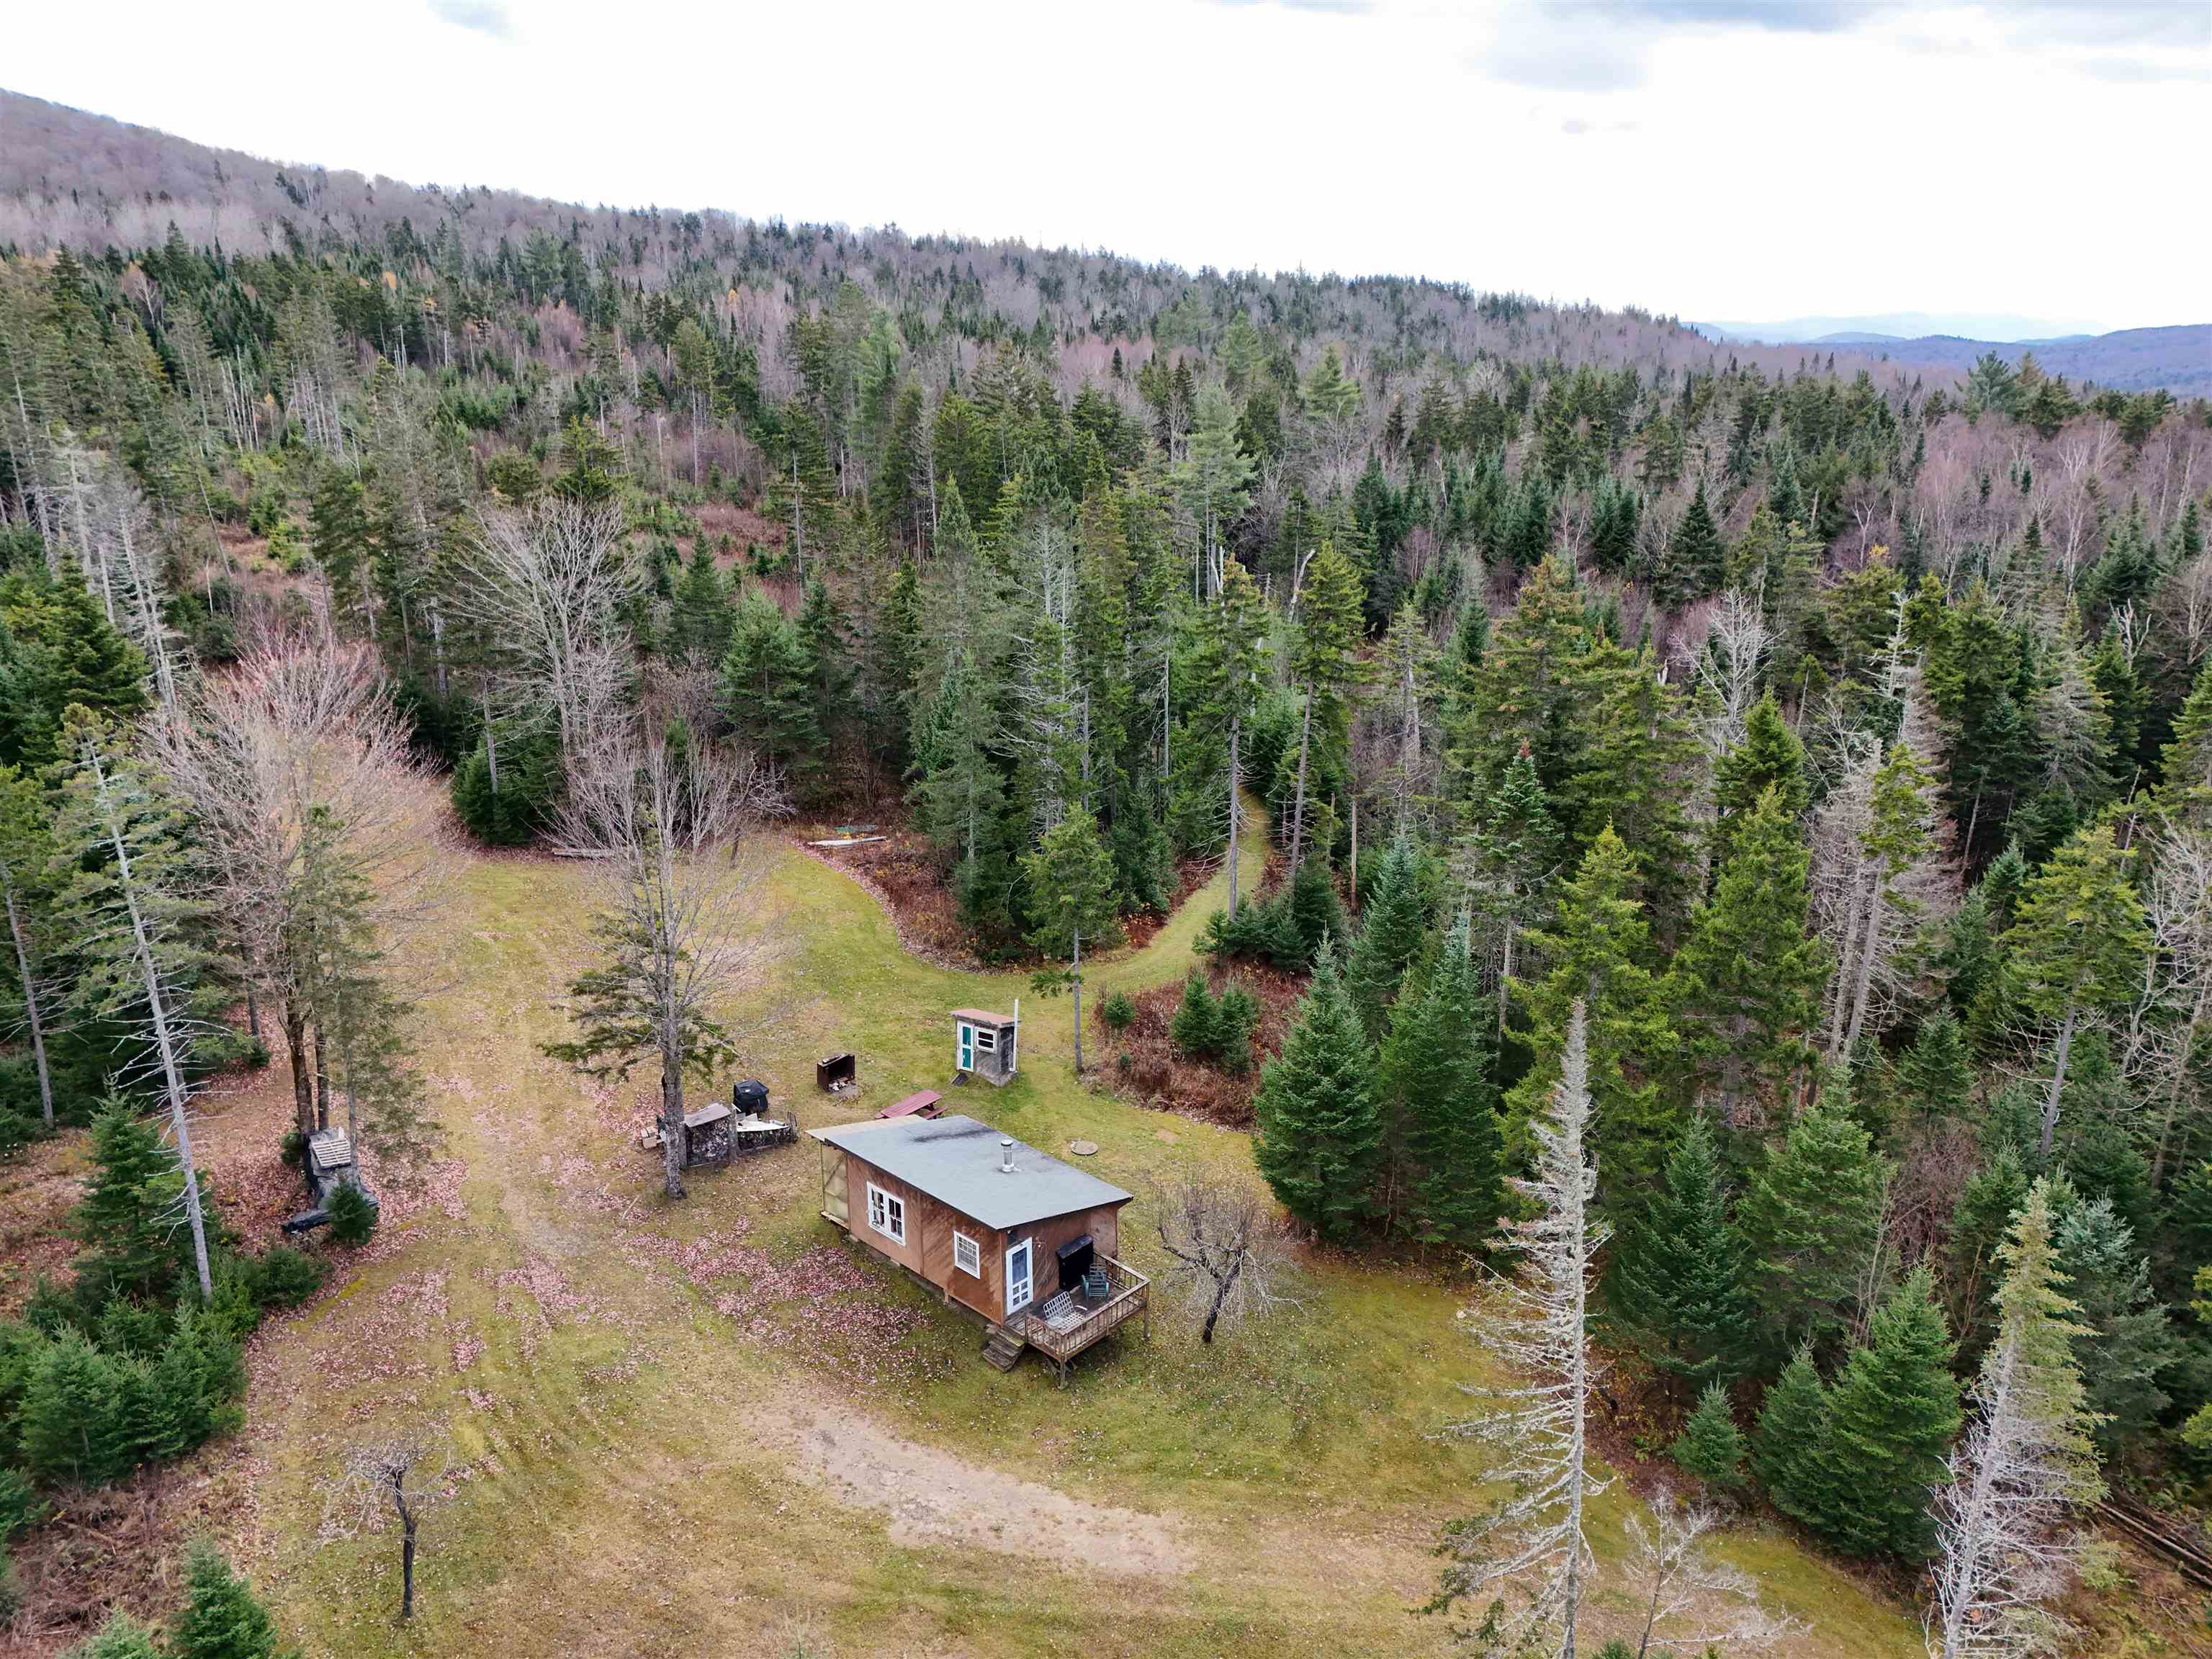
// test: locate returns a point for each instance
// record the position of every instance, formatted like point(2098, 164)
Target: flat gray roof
point(956, 1161)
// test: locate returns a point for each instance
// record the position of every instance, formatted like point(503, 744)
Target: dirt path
point(933, 1495)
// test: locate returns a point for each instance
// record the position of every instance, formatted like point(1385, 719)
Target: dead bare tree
point(1232, 1256)
point(670, 918)
point(1532, 1543)
point(377, 1474)
point(1692, 1603)
point(548, 582)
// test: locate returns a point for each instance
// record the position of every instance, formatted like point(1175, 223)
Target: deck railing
point(1127, 1295)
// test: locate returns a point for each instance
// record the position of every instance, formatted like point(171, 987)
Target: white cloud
point(484, 16)
point(1775, 168)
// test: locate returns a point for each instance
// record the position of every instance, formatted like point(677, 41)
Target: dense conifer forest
point(1785, 778)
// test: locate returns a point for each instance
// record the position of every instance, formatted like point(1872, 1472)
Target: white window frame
point(1029, 1285)
point(887, 1213)
point(967, 1254)
point(987, 1040)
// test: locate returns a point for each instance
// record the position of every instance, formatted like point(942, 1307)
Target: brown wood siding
point(930, 1224)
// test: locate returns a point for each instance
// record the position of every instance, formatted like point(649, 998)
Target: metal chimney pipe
point(1005, 1155)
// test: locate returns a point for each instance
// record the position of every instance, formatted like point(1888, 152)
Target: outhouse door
point(963, 1047)
point(1019, 1278)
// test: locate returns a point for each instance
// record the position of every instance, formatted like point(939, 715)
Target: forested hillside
point(1809, 759)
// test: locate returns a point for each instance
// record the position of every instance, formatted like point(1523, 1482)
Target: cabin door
point(963, 1048)
point(1019, 1278)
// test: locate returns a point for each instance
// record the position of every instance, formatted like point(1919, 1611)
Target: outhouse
point(984, 1043)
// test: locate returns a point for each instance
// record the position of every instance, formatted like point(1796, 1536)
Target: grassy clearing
point(619, 1381)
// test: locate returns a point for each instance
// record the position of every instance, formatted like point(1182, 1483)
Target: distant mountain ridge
point(1901, 325)
point(2178, 358)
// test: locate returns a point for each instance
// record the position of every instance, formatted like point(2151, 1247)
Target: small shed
point(985, 1044)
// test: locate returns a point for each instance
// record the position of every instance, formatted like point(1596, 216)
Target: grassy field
point(619, 1389)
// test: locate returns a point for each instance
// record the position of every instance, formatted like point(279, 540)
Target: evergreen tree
point(1395, 918)
point(1695, 563)
point(126, 1217)
point(1935, 1074)
point(1320, 1132)
point(1677, 1280)
point(2186, 761)
point(1594, 954)
point(121, 1638)
point(222, 1618)
point(1810, 1219)
point(702, 617)
point(1325, 660)
point(1710, 1446)
point(1070, 883)
point(1745, 980)
point(2121, 1341)
point(1436, 1079)
point(1640, 758)
point(1891, 1417)
point(338, 536)
point(2075, 948)
point(1792, 1424)
point(1770, 757)
point(767, 688)
point(1507, 864)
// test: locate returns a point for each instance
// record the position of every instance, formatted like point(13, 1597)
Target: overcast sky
point(1718, 159)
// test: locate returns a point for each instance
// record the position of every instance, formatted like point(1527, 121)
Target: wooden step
point(1002, 1349)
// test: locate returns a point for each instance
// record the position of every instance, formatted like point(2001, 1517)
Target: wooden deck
point(1087, 1322)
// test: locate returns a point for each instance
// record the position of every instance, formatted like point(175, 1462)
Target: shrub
point(16, 1131)
point(73, 1415)
point(20, 1504)
point(11, 1590)
point(292, 1149)
point(1217, 1028)
point(1710, 1446)
point(1236, 1017)
point(285, 1277)
point(235, 1306)
point(222, 1618)
point(353, 1218)
point(1196, 1019)
point(530, 783)
point(121, 1638)
point(1118, 1012)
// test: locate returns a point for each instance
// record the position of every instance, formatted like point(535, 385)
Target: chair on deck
point(1097, 1285)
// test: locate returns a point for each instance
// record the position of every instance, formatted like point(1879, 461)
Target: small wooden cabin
point(984, 1043)
point(1019, 1239)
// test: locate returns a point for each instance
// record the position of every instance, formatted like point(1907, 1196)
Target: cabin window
point(887, 1213)
point(967, 1255)
point(987, 1040)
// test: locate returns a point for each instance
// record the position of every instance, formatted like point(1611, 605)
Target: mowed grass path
point(618, 1386)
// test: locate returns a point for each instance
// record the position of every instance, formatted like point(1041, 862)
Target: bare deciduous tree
point(1531, 1544)
point(548, 582)
point(1232, 1255)
point(1692, 1603)
point(376, 1475)
point(300, 747)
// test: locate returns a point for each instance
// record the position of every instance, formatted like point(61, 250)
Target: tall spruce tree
point(1770, 757)
point(1792, 1424)
point(1676, 1285)
point(1320, 1138)
point(1746, 981)
point(1395, 921)
point(1891, 1417)
point(2075, 948)
point(1594, 954)
point(1438, 1080)
point(1325, 658)
point(1809, 1221)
